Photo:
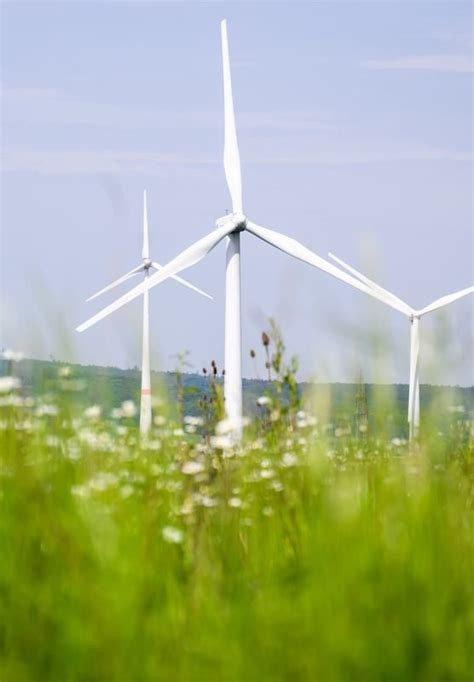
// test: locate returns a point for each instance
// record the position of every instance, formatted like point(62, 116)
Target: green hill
point(110, 386)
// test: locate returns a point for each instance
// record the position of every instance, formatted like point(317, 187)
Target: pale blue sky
point(355, 132)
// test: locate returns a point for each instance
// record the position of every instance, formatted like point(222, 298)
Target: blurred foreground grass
point(305, 554)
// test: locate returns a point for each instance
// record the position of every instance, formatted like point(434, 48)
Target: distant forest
point(110, 386)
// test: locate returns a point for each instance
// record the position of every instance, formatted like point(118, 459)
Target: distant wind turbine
point(414, 317)
point(231, 226)
point(145, 267)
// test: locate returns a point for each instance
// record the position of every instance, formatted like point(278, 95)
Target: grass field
point(307, 553)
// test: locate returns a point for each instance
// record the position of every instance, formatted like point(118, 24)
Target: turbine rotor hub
point(240, 222)
point(147, 263)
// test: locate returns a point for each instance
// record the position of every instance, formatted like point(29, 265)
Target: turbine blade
point(445, 300)
point(190, 256)
point(146, 247)
point(297, 250)
point(159, 267)
point(389, 296)
point(231, 147)
point(118, 281)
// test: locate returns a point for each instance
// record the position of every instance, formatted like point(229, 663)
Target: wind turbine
point(414, 316)
point(231, 226)
point(145, 267)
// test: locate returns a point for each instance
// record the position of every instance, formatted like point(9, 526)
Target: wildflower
point(80, 490)
point(116, 413)
point(263, 400)
point(267, 511)
point(267, 473)
point(193, 421)
point(301, 414)
point(126, 490)
point(206, 501)
point(265, 463)
point(47, 410)
point(187, 507)
point(11, 400)
point(289, 460)
point(235, 502)
point(103, 480)
point(159, 420)
point(13, 355)
point(152, 445)
point(97, 441)
point(74, 452)
point(362, 428)
point(128, 409)
point(172, 535)
point(190, 428)
point(64, 371)
point(8, 384)
point(93, 412)
point(221, 442)
point(25, 425)
point(277, 486)
point(396, 442)
point(191, 468)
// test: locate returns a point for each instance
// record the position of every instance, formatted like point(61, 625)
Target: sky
point(355, 131)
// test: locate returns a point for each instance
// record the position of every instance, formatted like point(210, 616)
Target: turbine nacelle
point(238, 220)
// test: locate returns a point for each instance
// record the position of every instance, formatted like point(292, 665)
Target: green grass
point(300, 556)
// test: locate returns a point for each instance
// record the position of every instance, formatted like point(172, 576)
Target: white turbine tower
point(145, 267)
point(231, 226)
point(414, 316)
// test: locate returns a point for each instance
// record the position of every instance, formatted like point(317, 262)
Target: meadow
point(310, 551)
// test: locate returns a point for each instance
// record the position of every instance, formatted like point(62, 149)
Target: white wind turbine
point(414, 317)
point(145, 267)
point(231, 226)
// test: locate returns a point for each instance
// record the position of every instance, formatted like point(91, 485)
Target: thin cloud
point(46, 107)
point(86, 162)
point(443, 63)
